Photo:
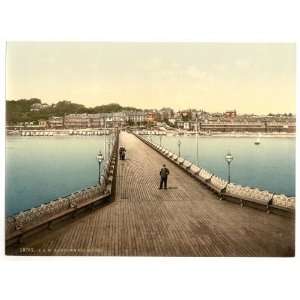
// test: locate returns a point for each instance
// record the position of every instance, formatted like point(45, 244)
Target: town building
point(135, 117)
point(38, 106)
point(230, 114)
point(43, 123)
point(186, 125)
point(56, 122)
point(166, 114)
point(98, 120)
point(76, 121)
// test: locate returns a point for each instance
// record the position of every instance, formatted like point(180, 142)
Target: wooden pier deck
point(185, 220)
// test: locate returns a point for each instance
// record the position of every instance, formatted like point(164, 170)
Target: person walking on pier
point(164, 172)
point(122, 151)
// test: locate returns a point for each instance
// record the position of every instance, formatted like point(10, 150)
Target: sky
point(251, 78)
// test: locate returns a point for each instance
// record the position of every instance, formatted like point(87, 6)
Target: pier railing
point(243, 195)
point(44, 215)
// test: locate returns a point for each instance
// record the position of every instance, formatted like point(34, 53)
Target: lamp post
point(179, 144)
point(197, 154)
point(229, 159)
point(105, 135)
point(109, 147)
point(100, 158)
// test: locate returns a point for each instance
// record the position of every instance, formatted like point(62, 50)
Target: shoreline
point(267, 135)
point(92, 132)
point(227, 135)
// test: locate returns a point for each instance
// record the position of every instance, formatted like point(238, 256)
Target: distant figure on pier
point(122, 151)
point(164, 172)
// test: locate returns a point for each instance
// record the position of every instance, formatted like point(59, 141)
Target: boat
point(257, 142)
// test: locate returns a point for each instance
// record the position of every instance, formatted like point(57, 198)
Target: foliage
point(20, 110)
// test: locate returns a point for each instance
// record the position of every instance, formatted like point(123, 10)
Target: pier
point(187, 219)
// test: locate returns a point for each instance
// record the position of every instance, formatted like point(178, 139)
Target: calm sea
point(270, 165)
point(40, 169)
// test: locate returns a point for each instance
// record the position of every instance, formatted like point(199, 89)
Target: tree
point(19, 110)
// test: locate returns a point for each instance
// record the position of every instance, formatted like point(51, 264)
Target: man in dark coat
point(164, 172)
point(122, 151)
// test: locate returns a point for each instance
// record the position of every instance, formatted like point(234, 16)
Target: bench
point(18, 233)
point(174, 157)
point(170, 155)
point(195, 170)
point(187, 164)
point(217, 184)
point(204, 176)
point(166, 153)
point(180, 160)
point(110, 178)
point(248, 195)
point(283, 204)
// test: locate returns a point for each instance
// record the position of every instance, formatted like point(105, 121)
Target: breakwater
point(243, 195)
point(43, 215)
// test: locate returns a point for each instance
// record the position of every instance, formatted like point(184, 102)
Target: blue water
point(270, 165)
point(40, 169)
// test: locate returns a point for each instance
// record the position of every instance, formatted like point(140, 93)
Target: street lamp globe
point(100, 157)
point(229, 157)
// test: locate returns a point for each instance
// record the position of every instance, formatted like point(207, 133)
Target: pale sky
point(258, 78)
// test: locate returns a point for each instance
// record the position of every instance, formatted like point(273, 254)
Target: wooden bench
point(217, 189)
point(18, 234)
point(180, 161)
point(187, 164)
point(174, 157)
point(170, 155)
point(166, 153)
point(265, 203)
point(203, 179)
point(195, 170)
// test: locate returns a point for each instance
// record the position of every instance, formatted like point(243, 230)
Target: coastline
point(254, 135)
point(89, 132)
point(225, 134)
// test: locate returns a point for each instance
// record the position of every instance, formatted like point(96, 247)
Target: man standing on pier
point(164, 172)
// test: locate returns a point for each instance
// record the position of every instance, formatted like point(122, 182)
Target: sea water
point(269, 165)
point(40, 169)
